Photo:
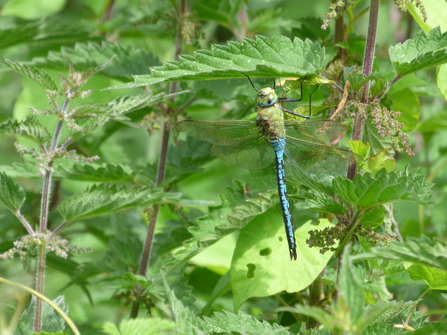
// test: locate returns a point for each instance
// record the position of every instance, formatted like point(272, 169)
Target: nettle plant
point(50, 158)
point(337, 283)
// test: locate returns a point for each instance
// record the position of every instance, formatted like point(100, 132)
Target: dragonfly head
point(266, 97)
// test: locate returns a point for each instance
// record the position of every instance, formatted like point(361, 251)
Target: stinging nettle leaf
point(373, 190)
point(422, 251)
point(30, 128)
point(262, 57)
point(105, 199)
point(94, 172)
point(12, 195)
point(230, 323)
point(422, 52)
point(32, 72)
point(127, 61)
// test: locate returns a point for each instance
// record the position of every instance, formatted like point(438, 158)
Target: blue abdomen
point(278, 145)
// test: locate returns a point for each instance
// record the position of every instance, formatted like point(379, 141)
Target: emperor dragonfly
point(249, 144)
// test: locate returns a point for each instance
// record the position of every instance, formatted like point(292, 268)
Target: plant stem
point(25, 223)
point(40, 270)
point(40, 283)
point(368, 60)
point(161, 169)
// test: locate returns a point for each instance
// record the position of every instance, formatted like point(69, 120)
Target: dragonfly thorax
point(266, 97)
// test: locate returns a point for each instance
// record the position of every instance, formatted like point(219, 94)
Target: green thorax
point(269, 109)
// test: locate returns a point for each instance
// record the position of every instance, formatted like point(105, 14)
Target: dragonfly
point(297, 144)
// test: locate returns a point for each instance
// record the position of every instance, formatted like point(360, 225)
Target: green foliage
point(262, 57)
point(104, 199)
point(240, 323)
point(422, 251)
point(251, 273)
point(32, 72)
point(127, 61)
point(373, 190)
point(422, 52)
point(52, 322)
point(210, 254)
point(151, 326)
point(12, 195)
point(30, 128)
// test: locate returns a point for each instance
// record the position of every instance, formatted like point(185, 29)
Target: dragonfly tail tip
point(292, 254)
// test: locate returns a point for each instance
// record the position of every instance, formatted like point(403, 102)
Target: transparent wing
point(318, 158)
point(252, 152)
point(318, 131)
point(307, 147)
point(236, 142)
point(217, 131)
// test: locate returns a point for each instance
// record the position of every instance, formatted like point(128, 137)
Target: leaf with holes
point(261, 264)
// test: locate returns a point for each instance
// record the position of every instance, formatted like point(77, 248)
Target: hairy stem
point(161, 169)
point(368, 60)
point(40, 271)
point(25, 223)
point(40, 283)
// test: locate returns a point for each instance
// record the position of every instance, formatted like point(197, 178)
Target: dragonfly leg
point(296, 114)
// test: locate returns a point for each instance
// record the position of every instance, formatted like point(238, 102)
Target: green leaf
point(434, 123)
point(116, 173)
point(424, 51)
point(407, 102)
point(52, 322)
point(230, 323)
point(32, 72)
point(324, 203)
point(350, 288)
point(368, 190)
point(150, 326)
point(223, 220)
point(422, 251)
point(435, 279)
point(262, 57)
point(122, 105)
point(128, 60)
point(380, 161)
point(375, 217)
point(114, 110)
point(12, 195)
point(29, 9)
point(30, 128)
point(223, 12)
point(188, 323)
point(435, 328)
point(261, 264)
point(21, 170)
point(104, 199)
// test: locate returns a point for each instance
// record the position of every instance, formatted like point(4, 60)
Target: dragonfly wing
point(318, 131)
point(252, 152)
point(216, 131)
point(317, 158)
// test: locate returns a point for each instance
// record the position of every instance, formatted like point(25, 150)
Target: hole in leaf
point(251, 271)
point(265, 252)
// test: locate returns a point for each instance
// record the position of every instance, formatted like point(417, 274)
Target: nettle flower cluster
point(27, 247)
point(49, 152)
point(337, 7)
